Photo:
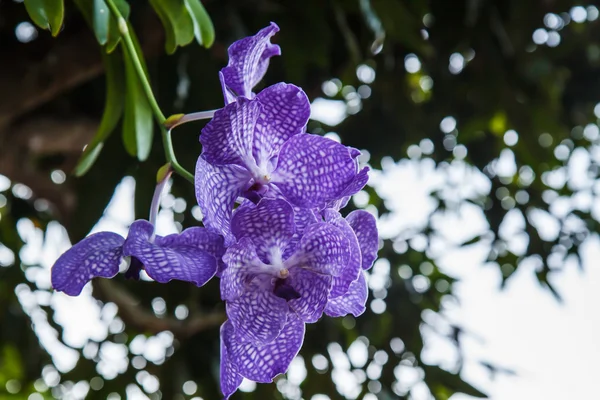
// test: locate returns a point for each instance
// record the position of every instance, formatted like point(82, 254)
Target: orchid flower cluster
point(271, 196)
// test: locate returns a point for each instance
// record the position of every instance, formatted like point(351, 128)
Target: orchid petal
point(353, 267)
point(228, 137)
point(365, 226)
point(313, 289)
point(313, 170)
point(230, 379)
point(177, 257)
point(98, 255)
point(303, 217)
point(352, 302)
point(241, 263)
point(217, 187)
point(258, 315)
point(270, 225)
point(263, 363)
point(285, 112)
point(249, 60)
point(323, 249)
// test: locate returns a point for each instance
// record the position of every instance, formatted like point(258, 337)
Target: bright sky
point(551, 346)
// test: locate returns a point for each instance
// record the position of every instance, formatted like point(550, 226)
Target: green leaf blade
point(114, 34)
point(204, 29)
point(47, 14)
point(137, 120)
point(178, 24)
point(101, 21)
point(113, 110)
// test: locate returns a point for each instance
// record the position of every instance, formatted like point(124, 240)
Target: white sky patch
point(329, 112)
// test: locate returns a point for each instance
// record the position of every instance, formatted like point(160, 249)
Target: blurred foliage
point(473, 61)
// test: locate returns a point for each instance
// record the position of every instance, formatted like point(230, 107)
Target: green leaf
point(101, 20)
point(47, 14)
point(104, 24)
point(113, 109)
point(114, 35)
point(203, 26)
point(178, 24)
point(137, 122)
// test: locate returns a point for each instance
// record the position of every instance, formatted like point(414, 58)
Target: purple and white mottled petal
point(285, 112)
point(314, 291)
point(258, 316)
point(230, 379)
point(323, 249)
point(98, 255)
point(249, 60)
point(270, 225)
point(179, 259)
point(352, 302)
point(342, 282)
point(313, 170)
point(197, 237)
point(359, 182)
point(201, 238)
point(303, 217)
point(338, 204)
point(227, 138)
point(228, 95)
point(354, 153)
point(241, 265)
point(263, 363)
point(365, 226)
point(217, 187)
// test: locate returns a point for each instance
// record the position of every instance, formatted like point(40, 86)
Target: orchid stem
point(139, 69)
point(158, 192)
point(197, 116)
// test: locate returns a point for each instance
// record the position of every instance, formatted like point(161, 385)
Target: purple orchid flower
point(260, 363)
point(248, 63)
point(255, 149)
point(191, 256)
point(265, 280)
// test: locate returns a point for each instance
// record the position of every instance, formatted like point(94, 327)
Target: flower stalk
point(129, 47)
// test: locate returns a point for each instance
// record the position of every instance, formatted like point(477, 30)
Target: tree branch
point(134, 315)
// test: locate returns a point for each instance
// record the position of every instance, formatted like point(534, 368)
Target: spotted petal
point(98, 255)
point(359, 182)
point(217, 187)
point(197, 237)
point(353, 267)
point(285, 112)
point(228, 95)
point(230, 379)
point(270, 225)
point(263, 363)
point(228, 137)
point(303, 217)
point(258, 315)
point(352, 302)
point(248, 61)
point(177, 257)
point(365, 227)
point(323, 249)
point(241, 264)
point(313, 289)
point(313, 170)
